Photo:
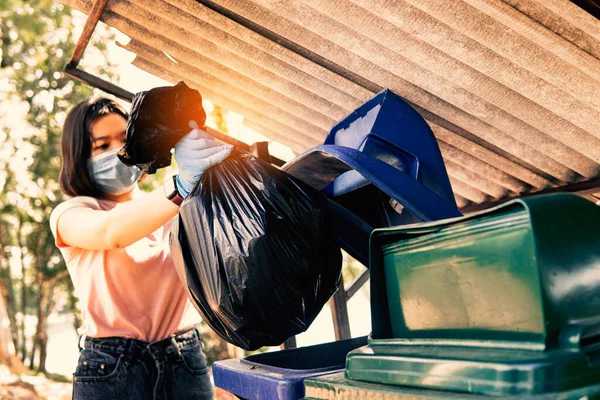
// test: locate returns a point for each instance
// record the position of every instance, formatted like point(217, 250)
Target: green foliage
point(151, 182)
point(37, 41)
point(351, 269)
point(214, 347)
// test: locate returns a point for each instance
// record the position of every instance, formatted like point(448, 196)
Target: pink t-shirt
point(132, 292)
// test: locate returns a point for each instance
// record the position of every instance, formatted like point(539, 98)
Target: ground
point(27, 387)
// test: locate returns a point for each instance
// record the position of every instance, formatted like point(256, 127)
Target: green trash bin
point(505, 302)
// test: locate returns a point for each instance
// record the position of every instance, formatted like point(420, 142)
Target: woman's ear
point(144, 175)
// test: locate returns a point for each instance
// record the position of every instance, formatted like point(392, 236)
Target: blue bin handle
point(414, 196)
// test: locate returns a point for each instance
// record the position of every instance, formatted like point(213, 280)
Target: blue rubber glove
point(194, 154)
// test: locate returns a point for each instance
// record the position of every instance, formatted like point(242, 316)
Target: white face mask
point(111, 175)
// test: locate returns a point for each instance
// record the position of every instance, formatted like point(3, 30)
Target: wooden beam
point(226, 138)
point(99, 83)
point(86, 34)
point(123, 94)
point(358, 283)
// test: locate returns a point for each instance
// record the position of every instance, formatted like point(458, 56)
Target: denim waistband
point(167, 349)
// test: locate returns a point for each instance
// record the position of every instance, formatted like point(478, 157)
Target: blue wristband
point(184, 193)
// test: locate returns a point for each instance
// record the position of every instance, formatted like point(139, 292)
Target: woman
point(114, 239)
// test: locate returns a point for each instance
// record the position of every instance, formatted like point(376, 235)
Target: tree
point(38, 37)
point(37, 40)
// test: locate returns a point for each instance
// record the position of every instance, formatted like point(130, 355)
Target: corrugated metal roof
point(510, 88)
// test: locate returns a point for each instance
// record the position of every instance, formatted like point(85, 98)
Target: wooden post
point(88, 30)
point(290, 343)
point(261, 150)
point(339, 313)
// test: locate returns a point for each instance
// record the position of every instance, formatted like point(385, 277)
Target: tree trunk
point(22, 335)
point(7, 289)
point(10, 336)
point(6, 286)
point(45, 304)
point(43, 349)
point(34, 349)
point(23, 315)
point(37, 339)
point(48, 305)
point(6, 344)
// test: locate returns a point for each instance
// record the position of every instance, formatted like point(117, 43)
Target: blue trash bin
point(280, 375)
point(380, 166)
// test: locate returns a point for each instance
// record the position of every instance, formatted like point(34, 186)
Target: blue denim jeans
point(128, 369)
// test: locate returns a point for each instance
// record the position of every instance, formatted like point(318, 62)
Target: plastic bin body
point(336, 386)
point(503, 302)
point(543, 250)
point(280, 375)
point(477, 279)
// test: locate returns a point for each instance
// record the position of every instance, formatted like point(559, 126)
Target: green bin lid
point(514, 288)
point(336, 386)
point(474, 370)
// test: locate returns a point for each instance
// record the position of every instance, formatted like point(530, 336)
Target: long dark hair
point(76, 145)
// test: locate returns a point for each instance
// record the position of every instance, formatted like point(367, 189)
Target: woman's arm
point(116, 228)
point(135, 219)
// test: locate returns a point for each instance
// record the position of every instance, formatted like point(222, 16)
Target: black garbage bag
point(254, 247)
point(256, 251)
point(158, 119)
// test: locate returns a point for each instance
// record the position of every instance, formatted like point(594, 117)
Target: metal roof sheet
point(510, 88)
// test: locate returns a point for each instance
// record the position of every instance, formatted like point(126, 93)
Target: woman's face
point(108, 133)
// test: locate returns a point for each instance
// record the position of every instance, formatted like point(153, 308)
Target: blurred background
point(38, 308)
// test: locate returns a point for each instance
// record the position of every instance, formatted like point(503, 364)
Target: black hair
point(76, 145)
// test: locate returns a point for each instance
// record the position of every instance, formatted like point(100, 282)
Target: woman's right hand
point(194, 154)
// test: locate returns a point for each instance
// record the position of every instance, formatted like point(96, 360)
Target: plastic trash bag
point(256, 251)
point(254, 247)
point(158, 119)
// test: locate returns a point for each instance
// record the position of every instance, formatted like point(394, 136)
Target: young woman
point(114, 239)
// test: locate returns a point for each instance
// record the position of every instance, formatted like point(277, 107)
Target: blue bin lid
point(381, 166)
